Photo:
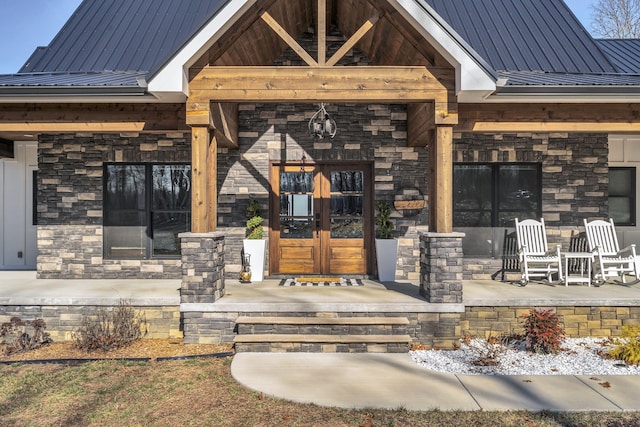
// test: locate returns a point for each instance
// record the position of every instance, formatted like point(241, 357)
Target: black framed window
point(145, 207)
point(493, 194)
point(622, 195)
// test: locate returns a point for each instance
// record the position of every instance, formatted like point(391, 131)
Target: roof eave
point(555, 94)
point(170, 81)
point(68, 94)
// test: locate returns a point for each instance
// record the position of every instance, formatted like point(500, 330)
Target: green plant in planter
point(383, 220)
point(254, 223)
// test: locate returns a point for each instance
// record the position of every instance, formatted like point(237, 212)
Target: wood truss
point(214, 89)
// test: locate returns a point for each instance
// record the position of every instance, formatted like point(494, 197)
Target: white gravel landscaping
point(579, 356)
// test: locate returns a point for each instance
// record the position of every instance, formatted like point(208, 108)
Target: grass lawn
point(203, 393)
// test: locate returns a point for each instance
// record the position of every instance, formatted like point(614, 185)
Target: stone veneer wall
point(574, 180)
point(70, 187)
point(593, 321)
point(63, 320)
point(441, 330)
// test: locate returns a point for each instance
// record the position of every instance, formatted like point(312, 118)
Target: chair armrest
point(522, 251)
point(630, 249)
point(555, 252)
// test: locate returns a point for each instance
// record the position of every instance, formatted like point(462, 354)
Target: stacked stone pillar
point(441, 267)
point(202, 267)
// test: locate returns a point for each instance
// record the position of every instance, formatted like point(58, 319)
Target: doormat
point(320, 281)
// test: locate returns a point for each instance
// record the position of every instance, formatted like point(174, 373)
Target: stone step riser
point(322, 334)
point(283, 347)
point(244, 329)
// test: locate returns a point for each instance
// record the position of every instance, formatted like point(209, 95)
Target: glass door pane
point(346, 204)
point(296, 205)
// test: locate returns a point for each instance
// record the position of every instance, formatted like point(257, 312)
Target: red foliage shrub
point(543, 331)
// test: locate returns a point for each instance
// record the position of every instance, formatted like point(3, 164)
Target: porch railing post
point(441, 267)
point(202, 267)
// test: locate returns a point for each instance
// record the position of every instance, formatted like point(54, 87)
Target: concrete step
point(317, 343)
point(284, 320)
point(310, 338)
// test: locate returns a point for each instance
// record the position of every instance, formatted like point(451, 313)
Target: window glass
point(622, 192)
point(171, 187)
point(472, 185)
point(487, 197)
point(146, 206)
point(124, 196)
point(166, 227)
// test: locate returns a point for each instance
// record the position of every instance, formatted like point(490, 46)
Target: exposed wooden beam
point(212, 184)
point(529, 117)
point(355, 38)
point(220, 118)
point(441, 179)
point(421, 124)
point(225, 121)
point(56, 118)
point(326, 84)
point(528, 126)
point(322, 32)
point(288, 39)
point(200, 166)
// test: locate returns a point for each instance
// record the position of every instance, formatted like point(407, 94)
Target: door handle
point(317, 223)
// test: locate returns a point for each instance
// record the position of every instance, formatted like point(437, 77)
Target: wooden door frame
point(369, 193)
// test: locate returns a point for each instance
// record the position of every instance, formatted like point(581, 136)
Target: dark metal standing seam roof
point(533, 43)
point(623, 53)
point(123, 35)
point(533, 35)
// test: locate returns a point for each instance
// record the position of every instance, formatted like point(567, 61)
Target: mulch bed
point(144, 348)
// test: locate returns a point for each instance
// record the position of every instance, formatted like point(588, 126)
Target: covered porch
point(488, 307)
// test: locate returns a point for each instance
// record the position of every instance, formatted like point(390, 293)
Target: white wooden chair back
point(602, 235)
point(531, 236)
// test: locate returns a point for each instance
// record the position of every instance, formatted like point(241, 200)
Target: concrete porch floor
point(22, 288)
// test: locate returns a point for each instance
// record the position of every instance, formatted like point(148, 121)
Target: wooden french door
point(321, 219)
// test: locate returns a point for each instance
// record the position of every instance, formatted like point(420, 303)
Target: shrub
point(543, 332)
point(21, 335)
point(383, 220)
point(110, 329)
point(254, 223)
point(627, 347)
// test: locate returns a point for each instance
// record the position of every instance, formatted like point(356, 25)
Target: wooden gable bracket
point(221, 118)
point(322, 37)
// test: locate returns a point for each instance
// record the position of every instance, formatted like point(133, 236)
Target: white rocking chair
point(535, 258)
point(611, 260)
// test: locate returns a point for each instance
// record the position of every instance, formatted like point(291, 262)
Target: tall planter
point(386, 257)
point(255, 249)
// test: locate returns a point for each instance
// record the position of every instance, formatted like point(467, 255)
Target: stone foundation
point(202, 267)
point(63, 320)
point(439, 330)
point(594, 321)
point(441, 265)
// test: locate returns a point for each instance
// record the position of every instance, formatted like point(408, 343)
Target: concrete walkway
point(392, 381)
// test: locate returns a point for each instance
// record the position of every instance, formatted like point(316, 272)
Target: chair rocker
point(535, 258)
point(611, 261)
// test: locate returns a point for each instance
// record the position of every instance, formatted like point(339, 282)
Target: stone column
point(441, 264)
point(202, 267)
